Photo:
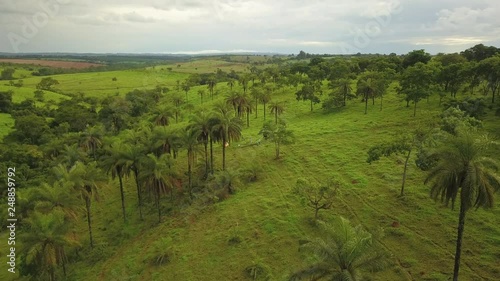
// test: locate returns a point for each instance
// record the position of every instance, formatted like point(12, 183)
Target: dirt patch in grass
point(53, 63)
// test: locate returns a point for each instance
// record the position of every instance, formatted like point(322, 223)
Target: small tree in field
point(317, 197)
point(277, 133)
point(404, 145)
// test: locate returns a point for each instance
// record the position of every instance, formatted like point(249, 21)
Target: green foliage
point(7, 74)
point(5, 101)
point(317, 197)
point(453, 119)
point(416, 83)
point(161, 252)
point(343, 252)
point(47, 83)
point(415, 57)
point(277, 133)
point(475, 108)
point(309, 93)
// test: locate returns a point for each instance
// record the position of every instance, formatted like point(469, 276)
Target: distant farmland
point(52, 63)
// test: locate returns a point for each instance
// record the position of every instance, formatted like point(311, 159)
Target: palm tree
point(190, 143)
point(133, 156)
point(158, 177)
point(244, 80)
point(464, 168)
point(56, 197)
point(234, 100)
point(256, 93)
point(277, 108)
point(342, 86)
point(177, 100)
point(162, 115)
point(211, 83)
point(228, 129)
point(344, 253)
point(166, 140)
point(231, 82)
point(116, 164)
point(200, 124)
point(201, 92)
point(265, 98)
point(86, 179)
point(92, 139)
point(71, 154)
point(45, 241)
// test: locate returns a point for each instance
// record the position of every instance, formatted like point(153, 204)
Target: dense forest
point(99, 160)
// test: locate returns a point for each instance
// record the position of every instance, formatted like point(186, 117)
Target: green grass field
point(266, 217)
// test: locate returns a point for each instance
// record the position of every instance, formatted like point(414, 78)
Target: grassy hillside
point(263, 222)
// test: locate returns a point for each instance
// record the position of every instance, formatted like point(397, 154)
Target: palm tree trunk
point(264, 111)
point(190, 182)
point(87, 206)
point(211, 156)
point(277, 150)
point(123, 197)
point(223, 154)
point(158, 204)
point(276, 116)
point(461, 224)
point(248, 117)
point(256, 107)
point(404, 173)
point(415, 109)
point(205, 145)
point(366, 104)
point(311, 105)
point(136, 174)
point(381, 102)
point(64, 264)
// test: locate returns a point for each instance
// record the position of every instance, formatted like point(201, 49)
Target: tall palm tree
point(228, 129)
point(265, 98)
point(233, 99)
point(166, 140)
point(92, 140)
point(344, 253)
point(256, 93)
point(231, 82)
point(158, 177)
point(162, 115)
point(200, 123)
point(202, 93)
point(211, 83)
point(190, 143)
point(277, 108)
point(133, 156)
point(115, 163)
point(244, 80)
point(87, 179)
point(177, 100)
point(45, 241)
point(465, 170)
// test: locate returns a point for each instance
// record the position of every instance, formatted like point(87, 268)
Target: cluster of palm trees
point(150, 154)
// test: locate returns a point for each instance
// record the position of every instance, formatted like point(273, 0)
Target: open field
point(52, 63)
point(266, 217)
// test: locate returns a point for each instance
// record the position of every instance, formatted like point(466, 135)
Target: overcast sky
point(283, 26)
